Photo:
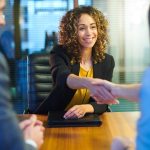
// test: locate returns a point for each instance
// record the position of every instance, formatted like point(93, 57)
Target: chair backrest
point(39, 79)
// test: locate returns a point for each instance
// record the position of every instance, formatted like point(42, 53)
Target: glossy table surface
point(122, 124)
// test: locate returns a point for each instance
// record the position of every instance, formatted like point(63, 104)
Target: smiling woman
point(78, 63)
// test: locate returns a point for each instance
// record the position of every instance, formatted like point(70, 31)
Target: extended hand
point(102, 91)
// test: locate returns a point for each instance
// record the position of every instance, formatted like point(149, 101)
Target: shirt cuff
point(31, 142)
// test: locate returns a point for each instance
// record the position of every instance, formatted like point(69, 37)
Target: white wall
point(129, 41)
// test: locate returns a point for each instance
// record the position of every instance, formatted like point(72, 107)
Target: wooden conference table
point(91, 138)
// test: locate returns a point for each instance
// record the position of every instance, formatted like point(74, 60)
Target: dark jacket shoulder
point(108, 57)
point(109, 61)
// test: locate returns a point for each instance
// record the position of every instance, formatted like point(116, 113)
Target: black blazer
point(61, 67)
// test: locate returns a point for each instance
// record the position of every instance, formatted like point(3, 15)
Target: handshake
point(105, 92)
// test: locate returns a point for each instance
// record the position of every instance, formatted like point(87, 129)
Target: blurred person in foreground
point(26, 135)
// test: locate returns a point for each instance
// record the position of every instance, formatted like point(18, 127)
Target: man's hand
point(33, 130)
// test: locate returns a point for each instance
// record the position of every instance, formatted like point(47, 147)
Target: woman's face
point(87, 31)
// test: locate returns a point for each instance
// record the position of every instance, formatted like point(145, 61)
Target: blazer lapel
point(97, 70)
point(75, 69)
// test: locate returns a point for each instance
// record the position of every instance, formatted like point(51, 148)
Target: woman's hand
point(78, 111)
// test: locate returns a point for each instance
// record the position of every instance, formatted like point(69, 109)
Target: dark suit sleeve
point(109, 65)
point(99, 108)
point(59, 65)
point(11, 137)
point(107, 69)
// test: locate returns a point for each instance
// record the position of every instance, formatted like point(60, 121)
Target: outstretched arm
point(126, 91)
point(93, 84)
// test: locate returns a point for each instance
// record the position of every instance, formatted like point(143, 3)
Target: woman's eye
point(93, 27)
point(81, 28)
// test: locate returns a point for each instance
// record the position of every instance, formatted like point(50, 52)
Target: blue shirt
point(143, 127)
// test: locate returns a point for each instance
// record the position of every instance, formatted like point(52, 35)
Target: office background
point(32, 27)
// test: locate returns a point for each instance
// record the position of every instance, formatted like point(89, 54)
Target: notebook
point(55, 119)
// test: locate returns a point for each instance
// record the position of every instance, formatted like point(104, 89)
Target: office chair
point(39, 80)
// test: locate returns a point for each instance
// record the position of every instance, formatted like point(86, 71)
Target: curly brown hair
point(68, 33)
